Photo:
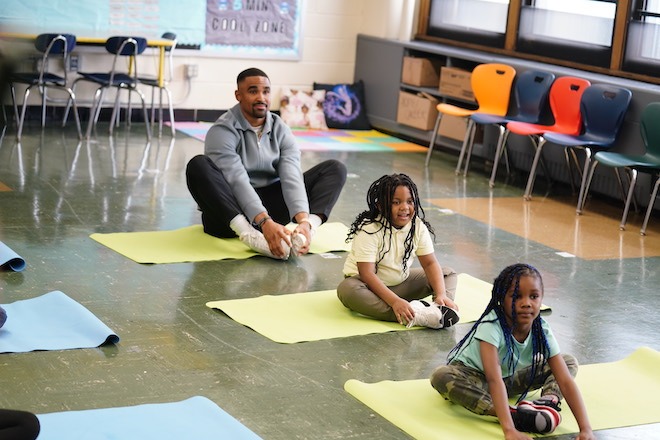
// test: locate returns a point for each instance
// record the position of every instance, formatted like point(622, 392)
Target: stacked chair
point(491, 85)
point(52, 47)
point(649, 162)
point(603, 108)
point(154, 83)
point(121, 47)
point(565, 98)
point(530, 96)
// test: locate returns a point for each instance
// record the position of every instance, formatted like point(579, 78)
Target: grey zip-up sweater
point(247, 164)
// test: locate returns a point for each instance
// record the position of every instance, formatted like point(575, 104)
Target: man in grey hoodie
point(249, 182)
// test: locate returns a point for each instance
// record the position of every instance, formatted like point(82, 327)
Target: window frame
point(615, 67)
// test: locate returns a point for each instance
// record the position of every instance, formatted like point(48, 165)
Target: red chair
point(565, 97)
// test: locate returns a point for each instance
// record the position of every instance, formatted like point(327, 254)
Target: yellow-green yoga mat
point(191, 244)
point(416, 408)
point(314, 316)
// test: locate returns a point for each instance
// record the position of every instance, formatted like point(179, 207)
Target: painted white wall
point(329, 32)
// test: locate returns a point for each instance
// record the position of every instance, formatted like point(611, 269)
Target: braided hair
point(379, 202)
point(508, 278)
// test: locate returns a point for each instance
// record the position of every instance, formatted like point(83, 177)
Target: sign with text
point(254, 28)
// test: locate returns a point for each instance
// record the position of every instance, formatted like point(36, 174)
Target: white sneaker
point(256, 241)
point(426, 315)
point(297, 242)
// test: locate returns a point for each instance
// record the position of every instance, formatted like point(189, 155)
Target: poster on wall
point(267, 29)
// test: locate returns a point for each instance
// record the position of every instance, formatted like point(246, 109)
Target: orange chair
point(491, 85)
point(565, 97)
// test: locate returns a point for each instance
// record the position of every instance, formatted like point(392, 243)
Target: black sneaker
point(528, 417)
point(449, 316)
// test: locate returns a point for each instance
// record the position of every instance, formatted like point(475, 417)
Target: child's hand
point(586, 435)
point(516, 435)
point(402, 310)
point(445, 301)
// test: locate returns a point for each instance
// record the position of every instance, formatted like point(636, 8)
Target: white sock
point(240, 224)
point(315, 220)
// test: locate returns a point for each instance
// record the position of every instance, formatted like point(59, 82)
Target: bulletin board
point(266, 29)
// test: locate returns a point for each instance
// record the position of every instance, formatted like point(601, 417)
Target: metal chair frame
point(119, 46)
point(49, 45)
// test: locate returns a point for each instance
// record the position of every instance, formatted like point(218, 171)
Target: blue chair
point(530, 96)
point(52, 46)
point(603, 108)
point(649, 162)
point(120, 79)
point(154, 84)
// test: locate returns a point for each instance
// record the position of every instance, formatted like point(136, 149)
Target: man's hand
point(304, 229)
point(275, 234)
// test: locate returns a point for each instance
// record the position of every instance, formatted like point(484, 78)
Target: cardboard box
point(417, 110)
point(454, 127)
point(455, 83)
point(421, 72)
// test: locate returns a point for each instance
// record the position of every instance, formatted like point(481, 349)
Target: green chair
point(648, 162)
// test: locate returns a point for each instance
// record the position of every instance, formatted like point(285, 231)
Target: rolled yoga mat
point(10, 259)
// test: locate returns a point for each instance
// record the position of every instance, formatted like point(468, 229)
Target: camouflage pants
point(468, 387)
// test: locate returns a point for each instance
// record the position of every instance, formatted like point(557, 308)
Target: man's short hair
point(252, 71)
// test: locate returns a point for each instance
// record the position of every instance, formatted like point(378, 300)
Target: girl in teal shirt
point(510, 351)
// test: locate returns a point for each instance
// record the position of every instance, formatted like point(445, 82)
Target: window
point(471, 21)
point(568, 29)
point(642, 53)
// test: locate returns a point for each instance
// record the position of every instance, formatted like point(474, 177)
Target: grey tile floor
point(173, 347)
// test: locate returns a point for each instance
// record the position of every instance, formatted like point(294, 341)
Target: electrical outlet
point(74, 62)
point(192, 70)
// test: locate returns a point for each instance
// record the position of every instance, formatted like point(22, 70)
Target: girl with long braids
point(509, 352)
point(379, 280)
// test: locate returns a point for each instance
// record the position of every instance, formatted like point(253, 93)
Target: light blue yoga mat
point(196, 418)
point(10, 259)
point(52, 321)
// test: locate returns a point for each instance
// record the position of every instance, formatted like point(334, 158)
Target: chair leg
point(76, 116)
point(532, 171)
point(153, 106)
point(68, 103)
point(95, 110)
point(19, 131)
point(587, 177)
point(469, 149)
point(171, 107)
point(114, 118)
point(466, 139)
point(160, 111)
point(432, 142)
point(13, 100)
point(501, 140)
point(144, 111)
point(582, 196)
point(650, 207)
point(631, 190)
